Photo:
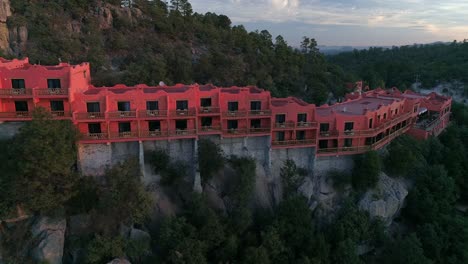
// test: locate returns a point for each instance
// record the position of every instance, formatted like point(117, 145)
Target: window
point(301, 118)
point(21, 106)
point(93, 107)
point(18, 84)
point(324, 127)
point(125, 127)
point(396, 111)
point(232, 124)
point(255, 123)
point(370, 122)
point(123, 106)
point(280, 136)
point(154, 125)
point(94, 128)
point(54, 83)
point(182, 105)
point(181, 124)
point(281, 118)
point(233, 106)
point(300, 135)
point(415, 109)
point(152, 105)
point(378, 117)
point(348, 126)
point(323, 144)
point(255, 105)
point(56, 106)
point(348, 142)
point(205, 102)
point(404, 123)
point(206, 121)
point(385, 116)
point(369, 141)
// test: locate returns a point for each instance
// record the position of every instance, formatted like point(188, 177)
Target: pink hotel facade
point(364, 121)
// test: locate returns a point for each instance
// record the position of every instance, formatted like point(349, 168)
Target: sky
point(348, 22)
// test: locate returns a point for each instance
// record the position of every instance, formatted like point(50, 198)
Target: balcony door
point(233, 106)
point(93, 107)
point(18, 84)
point(21, 106)
point(54, 84)
point(123, 106)
point(255, 105)
point(280, 119)
point(125, 127)
point(57, 106)
point(152, 105)
point(94, 128)
point(182, 105)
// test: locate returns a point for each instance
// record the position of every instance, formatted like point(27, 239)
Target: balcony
point(123, 135)
point(52, 92)
point(89, 115)
point(260, 130)
point(209, 129)
point(122, 114)
point(183, 113)
point(235, 131)
point(182, 132)
point(260, 112)
point(16, 115)
point(284, 125)
point(344, 150)
point(208, 110)
point(305, 125)
point(59, 114)
point(95, 136)
point(235, 114)
point(153, 134)
point(15, 93)
point(152, 113)
point(296, 142)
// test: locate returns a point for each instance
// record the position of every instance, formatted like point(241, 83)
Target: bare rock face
point(386, 200)
point(5, 10)
point(50, 234)
point(119, 261)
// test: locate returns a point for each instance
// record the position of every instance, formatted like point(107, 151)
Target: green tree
point(366, 170)
point(210, 159)
point(291, 177)
point(405, 250)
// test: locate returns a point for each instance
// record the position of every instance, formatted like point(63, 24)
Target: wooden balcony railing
point(121, 114)
point(153, 134)
point(128, 134)
point(15, 115)
point(60, 114)
point(90, 115)
point(208, 110)
point(51, 91)
point(186, 112)
point(306, 125)
point(182, 132)
point(260, 112)
point(152, 113)
point(208, 129)
point(96, 136)
point(259, 130)
point(284, 125)
point(15, 92)
point(294, 142)
point(235, 113)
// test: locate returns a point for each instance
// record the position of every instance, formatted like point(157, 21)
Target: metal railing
point(152, 113)
point(294, 142)
point(182, 132)
point(306, 124)
point(51, 91)
point(207, 129)
point(14, 115)
point(16, 92)
point(128, 134)
point(185, 112)
point(235, 113)
point(259, 130)
point(121, 114)
point(90, 115)
point(260, 112)
point(153, 134)
point(208, 110)
point(96, 136)
point(284, 125)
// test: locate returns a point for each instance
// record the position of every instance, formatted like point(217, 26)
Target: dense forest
point(430, 64)
point(157, 41)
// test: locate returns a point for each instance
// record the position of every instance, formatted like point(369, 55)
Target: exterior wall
point(323, 165)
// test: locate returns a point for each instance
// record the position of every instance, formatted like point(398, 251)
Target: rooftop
point(355, 107)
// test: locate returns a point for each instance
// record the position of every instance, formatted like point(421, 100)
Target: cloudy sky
point(349, 22)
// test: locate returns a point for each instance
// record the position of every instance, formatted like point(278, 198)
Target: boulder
point(50, 236)
point(5, 10)
point(386, 200)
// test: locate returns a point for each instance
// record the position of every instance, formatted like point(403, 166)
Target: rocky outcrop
point(50, 236)
point(119, 261)
point(386, 200)
point(5, 12)
point(18, 39)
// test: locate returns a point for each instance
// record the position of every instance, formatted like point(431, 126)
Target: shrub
point(210, 159)
point(366, 170)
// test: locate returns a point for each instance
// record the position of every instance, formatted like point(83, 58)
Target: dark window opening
point(335, 143)
point(323, 144)
point(205, 102)
point(256, 105)
point(181, 124)
point(385, 116)
point(301, 118)
point(154, 125)
point(56, 106)
point(21, 106)
point(281, 118)
point(182, 105)
point(370, 122)
point(54, 84)
point(348, 142)
point(324, 127)
point(255, 123)
point(233, 106)
point(232, 124)
point(123, 106)
point(369, 141)
point(152, 105)
point(415, 109)
point(404, 123)
point(207, 121)
point(396, 111)
point(125, 127)
point(18, 84)
point(380, 136)
point(280, 136)
point(349, 126)
point(300, 135)
point(94, 128)
point(93, 107)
